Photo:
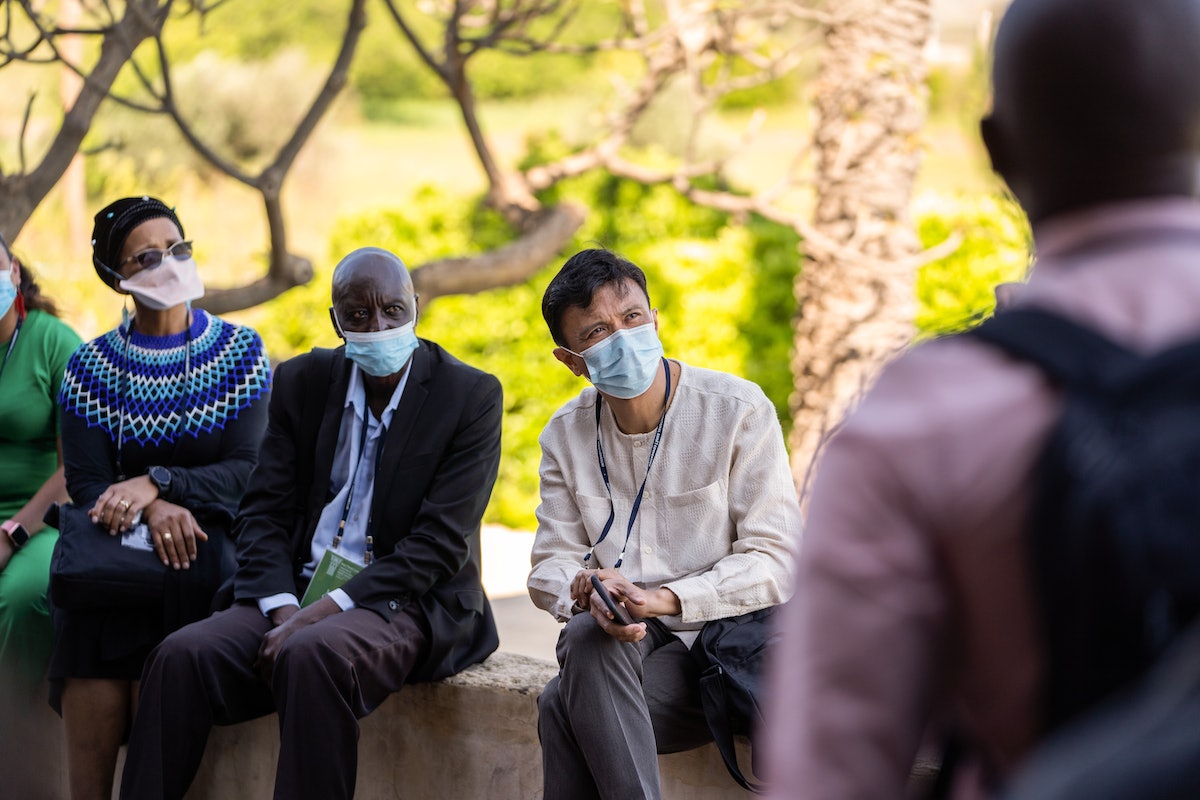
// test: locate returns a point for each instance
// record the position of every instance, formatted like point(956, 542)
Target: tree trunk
point(855, 301)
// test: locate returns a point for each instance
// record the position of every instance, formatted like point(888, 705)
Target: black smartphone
point(620, 615)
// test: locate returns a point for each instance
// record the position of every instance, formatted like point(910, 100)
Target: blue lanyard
point(637, 503)
point(369, 555)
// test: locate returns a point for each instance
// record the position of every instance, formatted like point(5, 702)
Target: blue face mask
point(381, 353)
point(624, 364)
point(8, 292)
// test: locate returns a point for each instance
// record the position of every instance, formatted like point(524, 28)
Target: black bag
point(1142, 745)
point(731, 653)
point(91, 570)
point(1115, 529)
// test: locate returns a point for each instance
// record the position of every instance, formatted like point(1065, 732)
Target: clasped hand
point(288, 620)
point(173, 528)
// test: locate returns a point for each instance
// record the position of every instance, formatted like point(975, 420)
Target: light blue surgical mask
point(624, 364)
point(8, 291)
point(381, 353)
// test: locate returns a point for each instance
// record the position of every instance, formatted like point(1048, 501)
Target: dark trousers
point(612, 708)
point(327, 677)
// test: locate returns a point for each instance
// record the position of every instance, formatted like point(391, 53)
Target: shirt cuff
point(698, 600)
point(268, 604)
point(342, 599)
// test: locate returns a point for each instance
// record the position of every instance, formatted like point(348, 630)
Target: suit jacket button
point(394, 605)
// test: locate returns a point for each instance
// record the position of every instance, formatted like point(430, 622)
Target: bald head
point(1096, 101)
point(372, 291)
point(369, 263)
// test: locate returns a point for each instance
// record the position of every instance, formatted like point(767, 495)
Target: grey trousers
point(327, 677)
point(612, 708)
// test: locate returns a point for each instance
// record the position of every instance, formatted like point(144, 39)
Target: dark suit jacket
point(436, 472)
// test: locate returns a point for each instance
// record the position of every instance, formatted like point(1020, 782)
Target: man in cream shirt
point(669, 482)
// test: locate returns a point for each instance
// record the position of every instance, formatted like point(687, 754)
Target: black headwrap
point(114, 223)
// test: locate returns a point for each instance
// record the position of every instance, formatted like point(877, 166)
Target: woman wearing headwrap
point(34, 346)
point(161, 421)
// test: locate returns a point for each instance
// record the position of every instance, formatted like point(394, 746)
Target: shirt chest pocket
point(695, 528)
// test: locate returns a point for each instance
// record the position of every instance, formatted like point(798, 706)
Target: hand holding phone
point(620, 615)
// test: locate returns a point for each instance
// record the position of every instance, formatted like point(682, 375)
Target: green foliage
point(248, 30)
point(500, 76)
point(387, 70)
point(777, 93)
point(956, 292)
point(783, 91)
point(723, 292)
point(766, 328)
point(959, 93)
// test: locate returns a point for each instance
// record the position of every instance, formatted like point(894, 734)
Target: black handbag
point(731, 654)
point(91, 570)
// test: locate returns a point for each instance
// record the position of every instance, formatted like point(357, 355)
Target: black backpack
point(1142, 745)
point(1115, 529)
point(731, 654)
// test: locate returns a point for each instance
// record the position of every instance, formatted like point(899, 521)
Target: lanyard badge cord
point(637, 503)
point(369, 553)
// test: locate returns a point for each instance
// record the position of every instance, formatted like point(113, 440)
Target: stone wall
point(470, 737)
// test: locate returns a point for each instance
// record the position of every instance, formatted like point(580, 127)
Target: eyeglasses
point(149, 259)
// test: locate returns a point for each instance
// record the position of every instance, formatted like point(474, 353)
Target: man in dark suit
point(383, 452)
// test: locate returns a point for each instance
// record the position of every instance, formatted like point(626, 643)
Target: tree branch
point(286, 270)
point(550, 231)
point(25, 190)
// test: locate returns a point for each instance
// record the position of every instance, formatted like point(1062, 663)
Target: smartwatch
point(16, 531)
point(160, 477)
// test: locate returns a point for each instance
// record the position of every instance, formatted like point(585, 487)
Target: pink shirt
point(912, 595)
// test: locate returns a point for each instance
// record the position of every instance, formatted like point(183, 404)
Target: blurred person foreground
point(1001, 538)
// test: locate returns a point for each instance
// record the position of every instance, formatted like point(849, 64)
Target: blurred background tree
point(747, 154)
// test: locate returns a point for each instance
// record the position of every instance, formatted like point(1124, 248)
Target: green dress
point(29, 425)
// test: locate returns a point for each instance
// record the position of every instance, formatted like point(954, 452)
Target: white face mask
point(173, 282)
point(624, 363)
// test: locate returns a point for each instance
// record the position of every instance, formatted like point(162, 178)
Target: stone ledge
point(470, 737)
point(473, 735)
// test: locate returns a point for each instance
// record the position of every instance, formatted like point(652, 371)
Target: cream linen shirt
point(718, 524)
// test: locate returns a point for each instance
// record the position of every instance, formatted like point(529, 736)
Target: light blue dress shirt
point(347, 461)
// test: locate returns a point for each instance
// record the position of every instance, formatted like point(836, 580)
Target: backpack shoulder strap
point(714, 694)
point(1066, 351)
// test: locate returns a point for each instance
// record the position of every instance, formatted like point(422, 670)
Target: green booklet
point(334, 570)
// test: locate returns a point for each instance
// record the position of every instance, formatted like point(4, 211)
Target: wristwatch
point(160, 477)
point(16, 531)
